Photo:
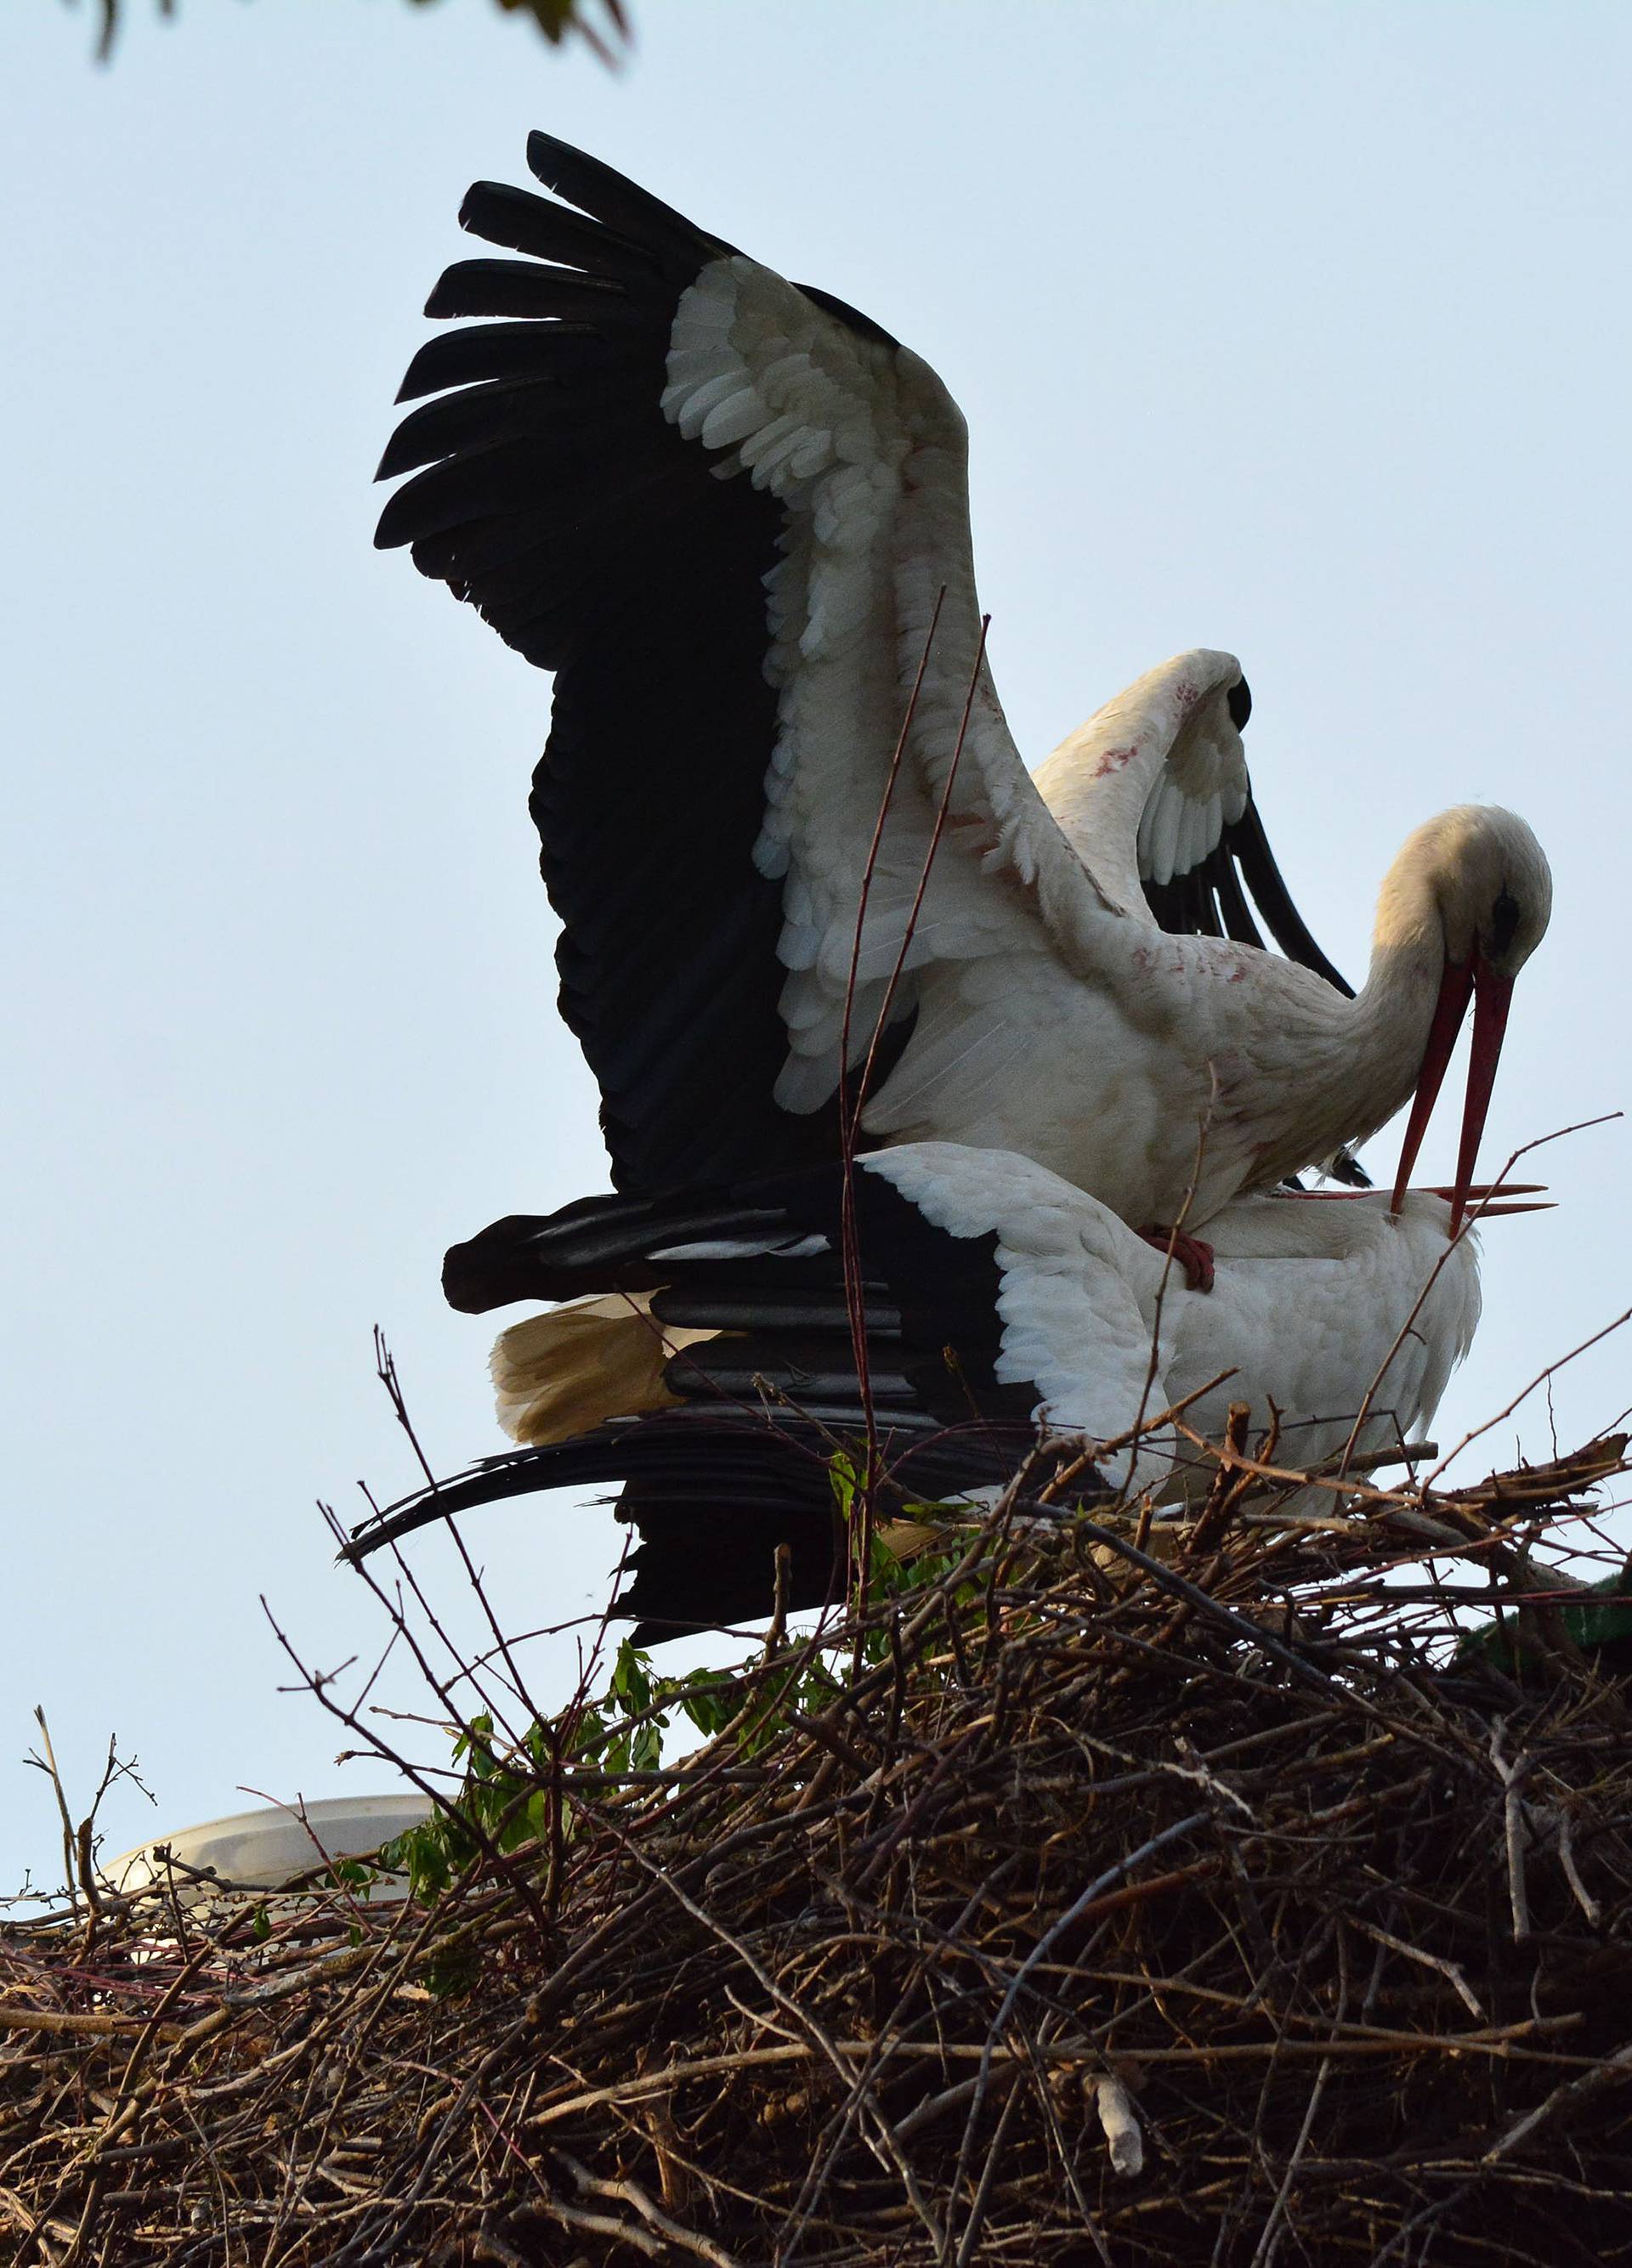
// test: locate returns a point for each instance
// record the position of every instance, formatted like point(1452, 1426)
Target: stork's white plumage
point(732, 515)
point(1308, 1318)
point(1036, 1284)
point(997, 1297)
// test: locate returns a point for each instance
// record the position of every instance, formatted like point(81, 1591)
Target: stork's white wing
point(727, 511)
point(1153, 794)
point(875, 644)
point(731, 514)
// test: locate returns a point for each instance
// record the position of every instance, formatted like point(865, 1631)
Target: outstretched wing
point(992, 1290)
point(731, 514)
point(1155, 796)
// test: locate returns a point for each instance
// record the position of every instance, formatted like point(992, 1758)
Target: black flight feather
point(713, 1493)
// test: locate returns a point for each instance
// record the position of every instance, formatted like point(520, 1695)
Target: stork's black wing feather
point(712, 1493)
point(1216, 898)
point(745, 1461)
point(552, 494)
point(1211, 898)
point(762, 1261)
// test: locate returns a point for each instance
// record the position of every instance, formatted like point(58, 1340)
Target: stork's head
point(1477, 876)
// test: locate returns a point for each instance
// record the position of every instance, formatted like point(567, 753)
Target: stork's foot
point(1194, 1257)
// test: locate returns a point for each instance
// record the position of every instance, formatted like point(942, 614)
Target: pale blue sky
point(1300, 330)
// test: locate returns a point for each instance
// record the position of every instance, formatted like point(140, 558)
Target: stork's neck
point(1361, 1057)
point(1387, 1023)
point(1389, 1020)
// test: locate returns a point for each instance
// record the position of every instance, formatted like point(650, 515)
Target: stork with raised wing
point(782, 811)
point(706, 1358)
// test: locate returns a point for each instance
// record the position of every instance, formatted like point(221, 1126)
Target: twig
point(1448, 1970)
point(1513, 1777)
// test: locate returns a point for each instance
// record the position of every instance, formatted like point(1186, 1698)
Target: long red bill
point(1456, 988)
point(1493, 996)
point(1480, 1193)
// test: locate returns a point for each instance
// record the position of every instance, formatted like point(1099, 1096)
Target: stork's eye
point(1503, 922)
point(1240, 699)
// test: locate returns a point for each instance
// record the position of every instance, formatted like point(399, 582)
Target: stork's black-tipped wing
point(1217, 897)
point(737, 1308)
point(559, 500)
point(731, 515)
point(761, 1264)
point(712, 1494)
point(1156, 793)
point(553, 491)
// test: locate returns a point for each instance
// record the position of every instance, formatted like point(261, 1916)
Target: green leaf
point(590, 1734)
point(422, 1853)
point(632, 1682)
point(708, 1701)
point(846, 1483)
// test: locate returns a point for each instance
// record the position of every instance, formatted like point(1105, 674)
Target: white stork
point(731, 514)
point(997, 1297)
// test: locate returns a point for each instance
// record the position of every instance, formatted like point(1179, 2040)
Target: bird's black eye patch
point(1503, 922)
point(1240, 703)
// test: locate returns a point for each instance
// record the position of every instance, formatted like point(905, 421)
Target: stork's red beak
point(1491, 996)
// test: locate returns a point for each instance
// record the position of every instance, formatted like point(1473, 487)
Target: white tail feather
point(566, 1372)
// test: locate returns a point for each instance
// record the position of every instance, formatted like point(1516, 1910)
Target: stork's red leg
point(1192, 1255)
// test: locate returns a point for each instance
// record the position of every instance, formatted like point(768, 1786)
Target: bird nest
point(1092, 1890)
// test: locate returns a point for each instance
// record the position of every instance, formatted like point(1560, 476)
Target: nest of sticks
point(1094, 1891)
